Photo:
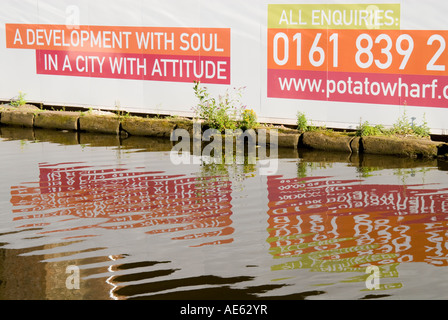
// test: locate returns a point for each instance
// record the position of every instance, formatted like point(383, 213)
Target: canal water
point(87, 216)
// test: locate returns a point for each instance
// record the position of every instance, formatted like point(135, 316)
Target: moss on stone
point(319, 139)
point(326, 141)
point(147, 127)
point(397, 146)
point(57, 120)
point(17, 118)
point(99, 123)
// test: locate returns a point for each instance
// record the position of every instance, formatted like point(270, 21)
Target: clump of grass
point(224, 112)
point(303, 123)
point(366, 129)
point(422, 130)
point(405, 127)
point(19, 100)
point(248, 119)
point(121, 114)
point(402, 127)
point(218, 113)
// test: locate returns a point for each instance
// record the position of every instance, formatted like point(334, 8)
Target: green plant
point(248, 119)
point(422, 130)
point(365, 129)
point(302, 123)
point(404, 127)
point(19, 100)
point(401, 127)
point(221, 113)
point(122, 115)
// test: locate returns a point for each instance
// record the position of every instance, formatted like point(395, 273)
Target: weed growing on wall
point(422, 130)
point(224, 112)
point(366, 129)
point(402, 127)
point(405, 127)
point(248, 119)
point(122, 115)
point(19, 100)
point(303, 124)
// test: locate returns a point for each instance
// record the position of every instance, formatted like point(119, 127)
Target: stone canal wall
point(116, 124)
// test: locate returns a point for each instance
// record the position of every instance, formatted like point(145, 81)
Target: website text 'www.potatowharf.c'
point(373, 88)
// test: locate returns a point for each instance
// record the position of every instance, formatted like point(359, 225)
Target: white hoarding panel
point(338, 62)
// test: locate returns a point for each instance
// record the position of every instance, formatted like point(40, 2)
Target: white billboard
point(339, 62)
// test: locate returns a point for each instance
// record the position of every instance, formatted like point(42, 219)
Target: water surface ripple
point(138, 226)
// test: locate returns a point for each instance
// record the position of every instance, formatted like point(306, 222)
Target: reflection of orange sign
point(343, 225)
point(129, 199)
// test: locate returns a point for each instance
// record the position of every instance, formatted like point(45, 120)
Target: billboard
point(338, 62)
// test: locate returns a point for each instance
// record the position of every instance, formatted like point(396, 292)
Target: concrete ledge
point(326, 141)
point(116, 128)
point(404, 147)
point(183, 124)
point(99, 123)
point(17, 118)
point(57, 120)
point(285, 138)
point(148, 127)
point(355, 145)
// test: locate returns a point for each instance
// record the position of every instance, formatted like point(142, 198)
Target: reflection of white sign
point(256, 146)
